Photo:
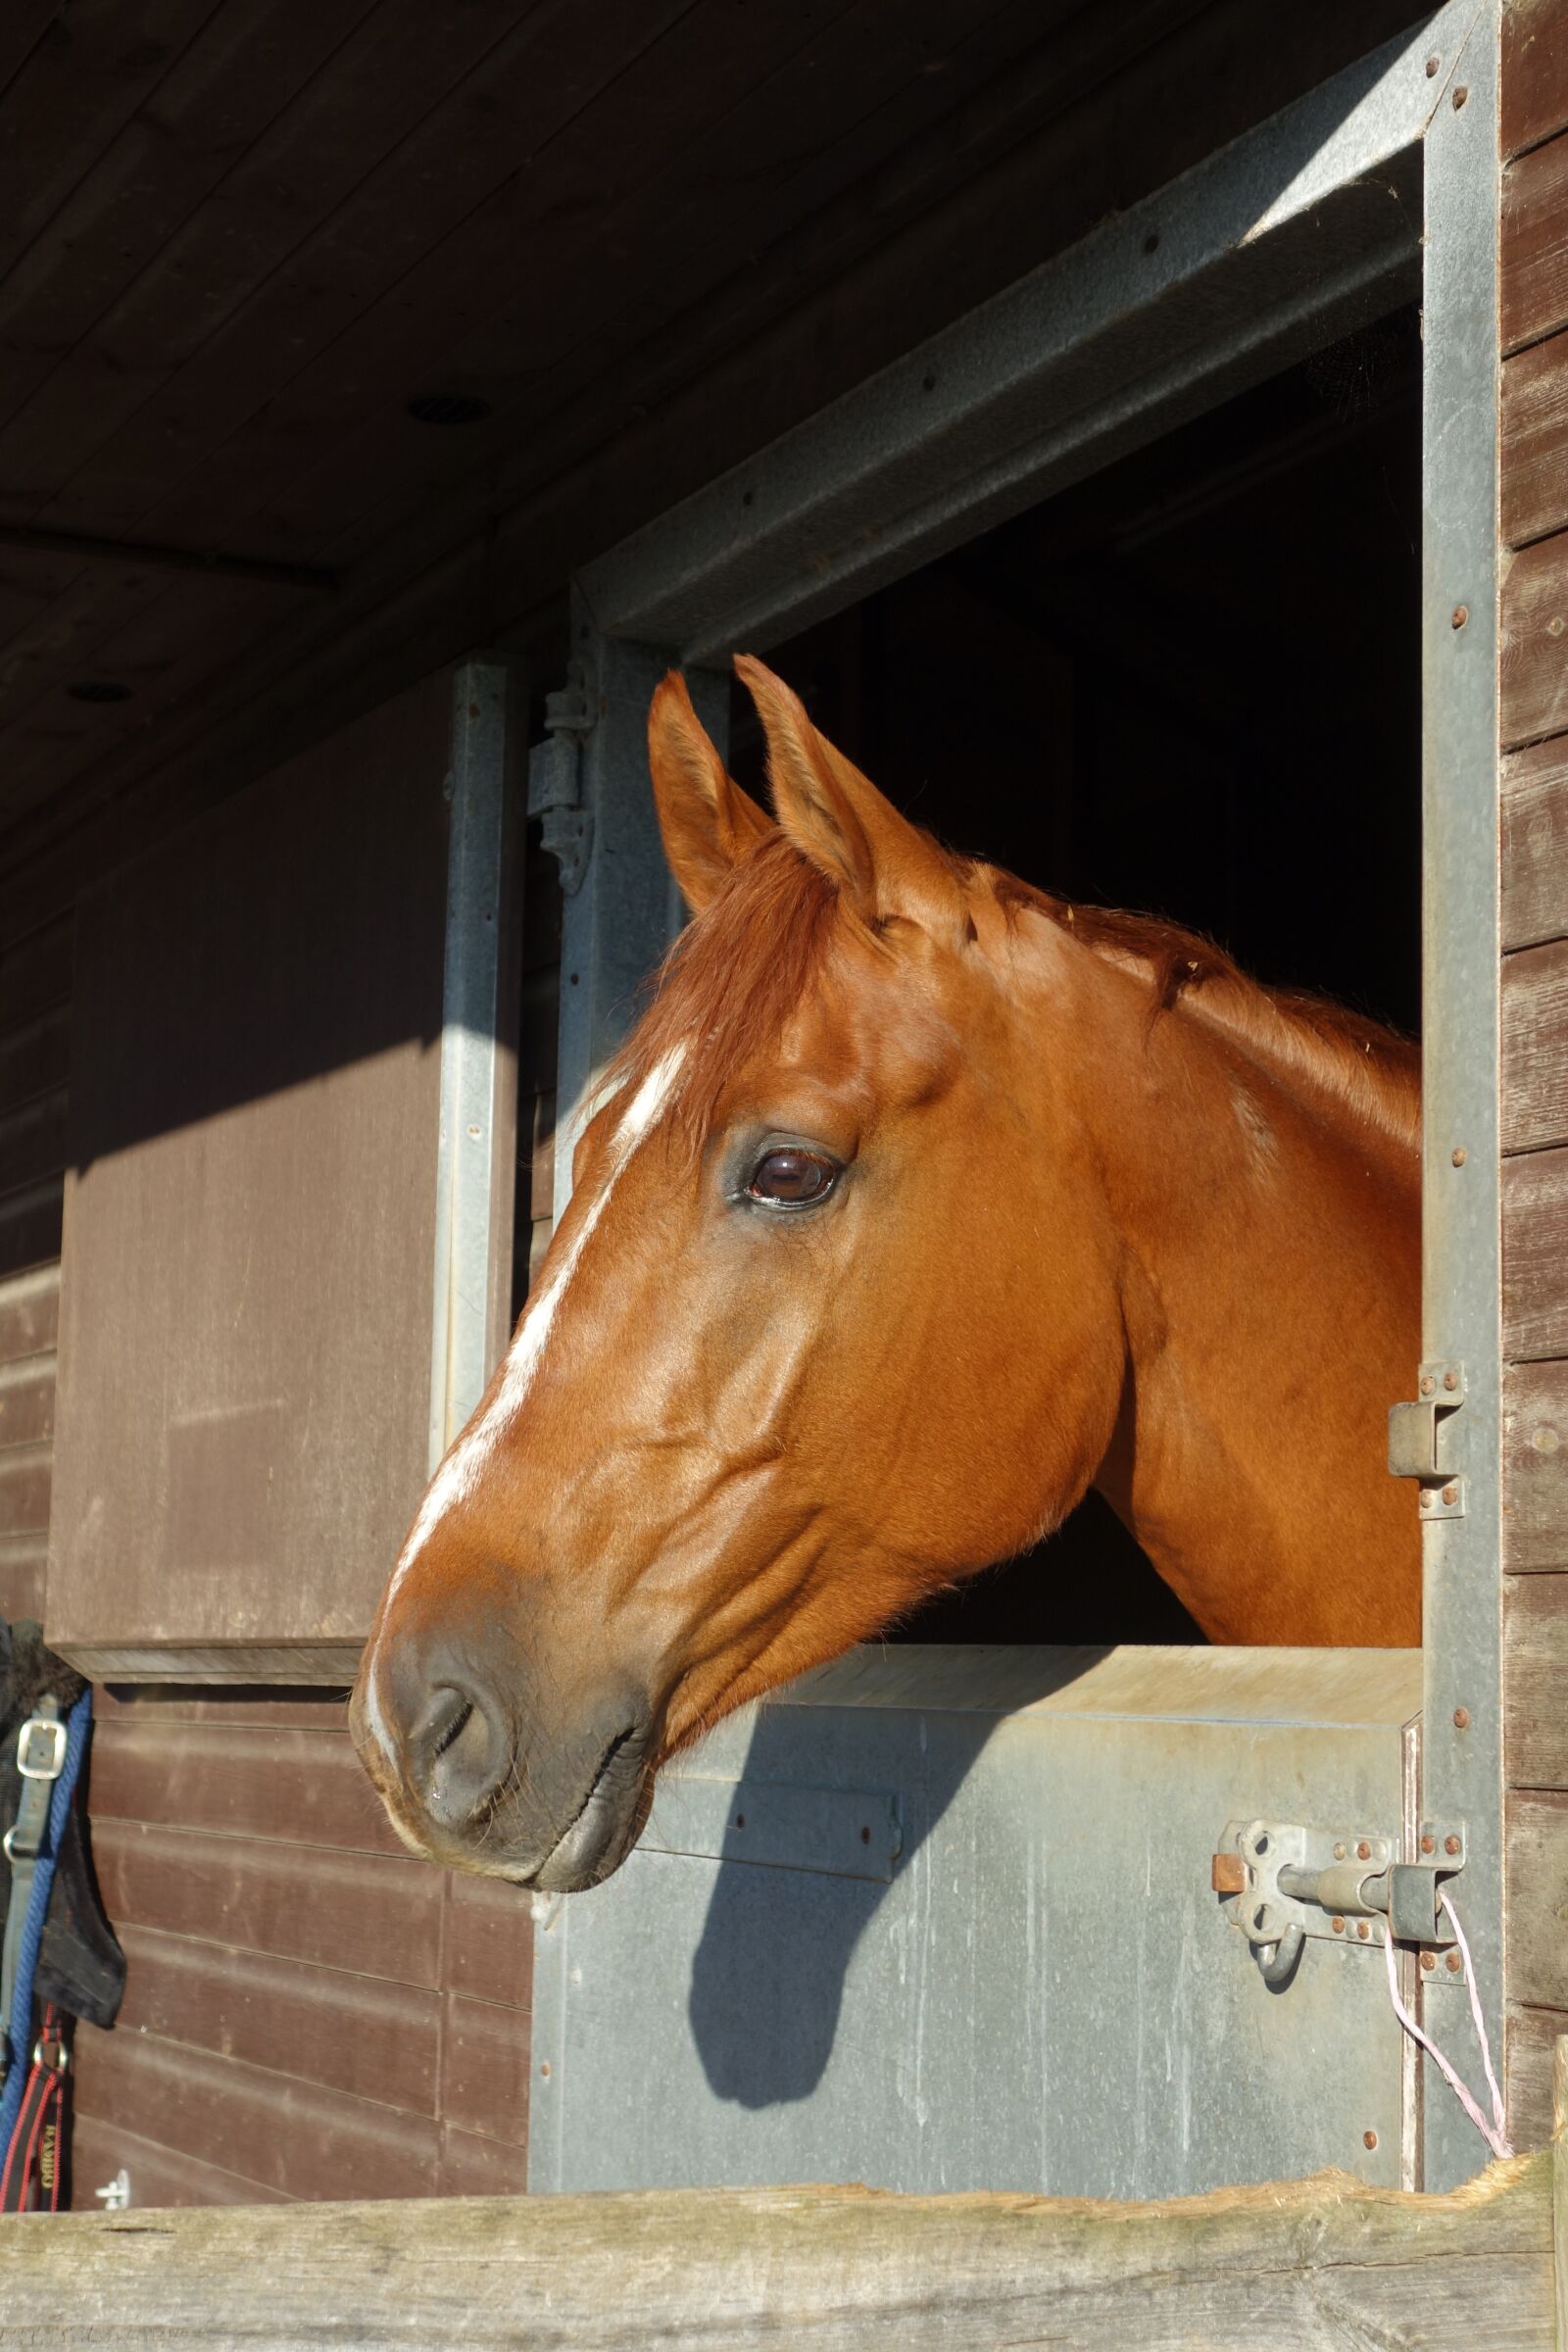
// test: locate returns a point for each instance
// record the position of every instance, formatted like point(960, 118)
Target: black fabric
point(81, 1968)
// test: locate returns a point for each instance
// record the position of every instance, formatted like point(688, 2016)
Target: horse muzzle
point(478, 1783)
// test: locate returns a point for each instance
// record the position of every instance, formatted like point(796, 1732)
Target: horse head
point(841, 1308)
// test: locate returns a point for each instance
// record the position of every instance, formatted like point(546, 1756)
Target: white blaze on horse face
point(460, 1472)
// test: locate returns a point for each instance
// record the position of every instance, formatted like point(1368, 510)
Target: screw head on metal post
point(1458, 616)
point(1461, 1719)
point(1460, 1155)
point(1453, 1964)
point(1451, 1846)
point(1369, 2140)
point(1428, 1960)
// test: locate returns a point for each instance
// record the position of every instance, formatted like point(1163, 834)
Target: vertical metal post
point(1461, 1252)
point(475, 1167)
point(623, 911)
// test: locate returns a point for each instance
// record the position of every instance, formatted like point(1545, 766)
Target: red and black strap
point(30, 2170)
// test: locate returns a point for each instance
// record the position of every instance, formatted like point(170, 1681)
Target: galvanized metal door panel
point(1023, 1981)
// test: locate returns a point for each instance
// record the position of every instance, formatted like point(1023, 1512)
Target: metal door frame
point(1381, 185)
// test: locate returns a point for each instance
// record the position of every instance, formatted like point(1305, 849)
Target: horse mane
point(727, 987)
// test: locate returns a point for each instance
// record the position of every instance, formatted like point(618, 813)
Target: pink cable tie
point(1493, 2134)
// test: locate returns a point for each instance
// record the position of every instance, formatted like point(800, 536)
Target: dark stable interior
point(1188, 685)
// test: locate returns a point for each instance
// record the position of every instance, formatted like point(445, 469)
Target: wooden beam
point(85, 548)
point(1315, 2263)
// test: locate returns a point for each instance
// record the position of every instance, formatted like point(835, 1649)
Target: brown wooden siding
point(1533, 699)
point(310, 2011)
point(34, 1052)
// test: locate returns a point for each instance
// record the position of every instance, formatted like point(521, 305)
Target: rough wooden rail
point(1311, 2263)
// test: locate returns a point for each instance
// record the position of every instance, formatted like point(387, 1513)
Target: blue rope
point(43, 1879)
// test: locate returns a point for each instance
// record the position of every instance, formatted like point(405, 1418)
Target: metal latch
point(1280, 1882)
point(1418, 1440)
point(555, 780)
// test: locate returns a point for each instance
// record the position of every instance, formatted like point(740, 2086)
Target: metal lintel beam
point(1278, 243)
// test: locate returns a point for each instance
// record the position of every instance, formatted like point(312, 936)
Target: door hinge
point(555, 780)
point(1418, 1440)
point(1280, 1882)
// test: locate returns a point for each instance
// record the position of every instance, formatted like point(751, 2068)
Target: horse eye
point(792, 1176)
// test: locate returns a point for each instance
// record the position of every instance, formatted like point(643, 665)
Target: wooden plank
point(256, 1013)
point(24, 1480)
point(485, 2054)
point(489, 1941)
point(102, 2147)
point(35, 970)
point(1533, 245)
point(1534, 1682)
point(1535, 844)
point(26, 1402)
point(1534, 74)
point(1534, 1467)
point(29, 1314)
point(1533, 2036)
point(342, 2031)
point(1319, 2263)
point(1533, 651)
point(24, 1576)
point(311, 1903)
point(293, 2137)
point(1533, 423)
point(32, 1140)
point(144, 183)
point(245, 1664)
point(1535, 1046)
point(77, 89)
point(1534, 1256)
point(471, 2167)
point(307, 1787)
point(1537, 1839)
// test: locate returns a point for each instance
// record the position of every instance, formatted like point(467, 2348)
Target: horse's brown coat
point(1111, 1214)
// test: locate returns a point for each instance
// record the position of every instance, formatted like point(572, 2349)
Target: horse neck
point(1269, 1291)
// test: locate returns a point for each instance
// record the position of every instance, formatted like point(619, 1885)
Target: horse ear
point(707, 821)
point(837, 820)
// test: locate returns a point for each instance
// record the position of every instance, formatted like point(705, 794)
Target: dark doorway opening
point(1188, 685)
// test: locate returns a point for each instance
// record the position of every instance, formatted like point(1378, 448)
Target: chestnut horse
point(917, 1204)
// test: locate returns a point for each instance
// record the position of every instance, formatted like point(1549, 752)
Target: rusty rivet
point(1428, 1384)
point(1460, 95)
point(1451, 1846)
point(544, 2066)
point(1339, 1927)
point(1428, 1960)
point(1450, 1379)
point(1459, 615)
point(1429, 1844)
point(1451, 1493)
point(1362, 1929)
point(1432, 64)
point(1461, 1719)
point(1363, 1852)
point(1369, 2140)
point(1453, 1964)
point(1339, 1853)
point(1426, 1499)
point(1460, 1155)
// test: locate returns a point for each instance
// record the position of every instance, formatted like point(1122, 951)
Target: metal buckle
point(52, 2054)
point(42, 1737)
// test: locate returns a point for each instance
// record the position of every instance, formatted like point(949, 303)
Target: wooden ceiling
point(238, 240)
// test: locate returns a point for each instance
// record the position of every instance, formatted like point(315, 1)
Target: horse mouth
point(606, 1825)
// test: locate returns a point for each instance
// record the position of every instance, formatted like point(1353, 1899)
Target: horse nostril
point(454, 1730)
point(455, 1754)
